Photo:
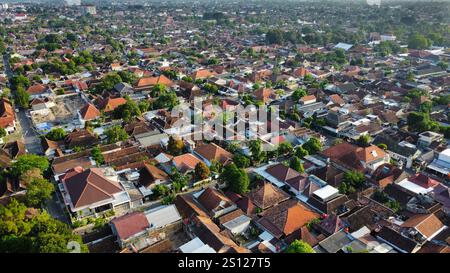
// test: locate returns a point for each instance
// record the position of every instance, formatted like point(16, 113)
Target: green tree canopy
point(285, 148)
point(241, 161)
point(116, 134)
point(56, 134)
point(237, 179)
point(298, 94)
point(175, 145)
point(202, 171)
point(97, 155)
point(23, 97)
point(38, 232)
point(363, 140)
point(418, 41)
point(313, 145)
point(27, 162)
point(39, 191)
point(296, 164)
point(299, 246)
point(301, 152)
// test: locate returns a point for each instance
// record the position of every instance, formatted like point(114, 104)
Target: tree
point(157, 90)
point(383, 146)
point(27, 162)
point(116, 134)
point(143, 106)
point(109, 81)
point(161, 190)
point(421, 121)
point(352, 181)
point(20, 80)
point(301, 152)
point(2, 132)
point(256, 150)
point(236, 178)
point(202, 171)
point(298, 94)
point(418, 41)
point(56, 134)
point(179, 181)
point(23, 97)
point(38, 191)
point(215, 166)
point(175, 145)
point(28, 176)
point(97, 155)
point(38, 232)
point(313, 145)
point(285, 148)
point(127, 111)
point(167, 100)
point(211, 88)
point(363, 140)
point(241, 161)
point(299, 246)
point(296, 164)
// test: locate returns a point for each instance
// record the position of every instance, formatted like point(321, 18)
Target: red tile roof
point(89, 112)
point(185, 162)
point(6, 114)
point(86, 187)
point(350, 156)
point(36, 89)
point(286, 218)
point(267, 196)
point(423, 180)
point(150, 81)
point(110, 104)
point(213, 151)
point(211, 199)
point(130, 224)
point(426, 224)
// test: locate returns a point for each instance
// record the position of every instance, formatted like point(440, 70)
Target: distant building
point(72, 2)
point(92, 10)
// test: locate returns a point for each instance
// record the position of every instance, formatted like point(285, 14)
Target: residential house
point(110, 104)
point(214, 202)
point(7, 116)
point(328, 200)
point(150, 176)
point(39, 91)
point(212, 152)
point(80, 138)
point(285, 218)
point(266, 196)
point(92, 192)
point(138, 230)
point(149, 82)
point(88, 113)
point(235, 222)
point(441, 165)
point(401, 151)
point(399, 242)
point(185, 163)
point(351, 157)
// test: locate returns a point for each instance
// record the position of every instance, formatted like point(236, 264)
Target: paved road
point(55, 208)
point(31, 138)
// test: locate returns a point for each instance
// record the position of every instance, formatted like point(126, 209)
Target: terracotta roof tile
point(89, 186)
point(267, 196)
point(130, 224)
point(89, 112)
